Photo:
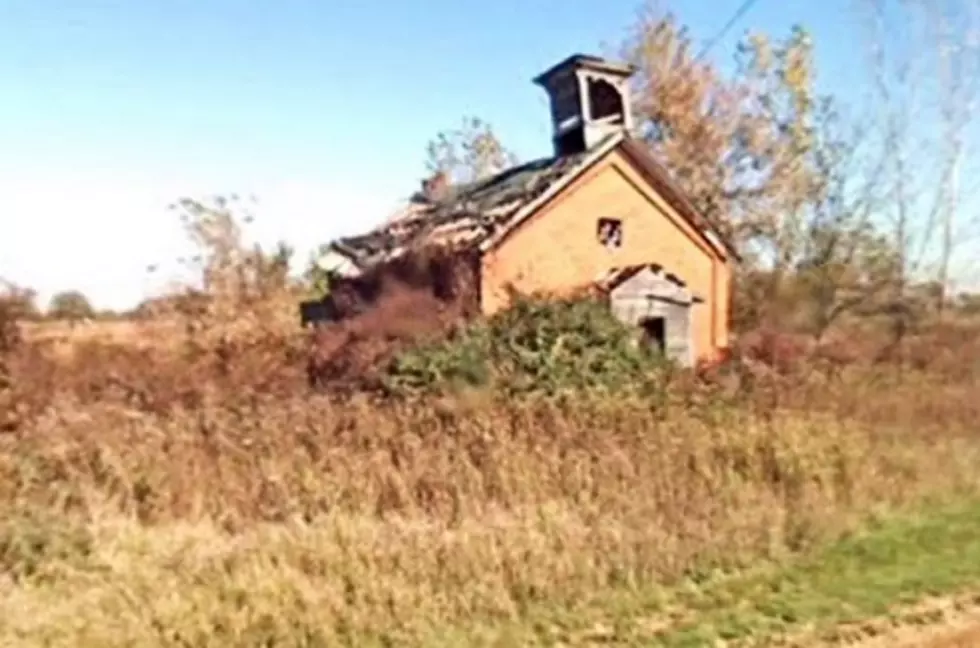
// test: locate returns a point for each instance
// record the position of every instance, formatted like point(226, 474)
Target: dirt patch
point(965, 638)
point(941, 622)
point(961, 629)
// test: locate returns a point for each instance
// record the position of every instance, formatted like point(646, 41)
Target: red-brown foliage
point(419, 296)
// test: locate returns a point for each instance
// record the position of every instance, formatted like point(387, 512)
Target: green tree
point(70, 305)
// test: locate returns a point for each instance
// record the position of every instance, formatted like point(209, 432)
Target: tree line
point(72, 305)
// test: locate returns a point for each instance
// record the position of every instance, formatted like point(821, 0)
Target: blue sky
point(110, 109)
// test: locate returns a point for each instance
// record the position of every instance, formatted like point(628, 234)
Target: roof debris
point(460, 215)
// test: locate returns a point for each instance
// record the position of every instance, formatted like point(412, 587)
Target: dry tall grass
point(229, 513)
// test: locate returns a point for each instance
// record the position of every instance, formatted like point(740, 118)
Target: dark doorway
point(654, 334)
point(316, 311)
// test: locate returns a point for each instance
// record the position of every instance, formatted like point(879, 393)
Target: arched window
point(605, 100)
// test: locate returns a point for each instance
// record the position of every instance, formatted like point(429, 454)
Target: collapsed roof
point(476, 214)
point(465, 215)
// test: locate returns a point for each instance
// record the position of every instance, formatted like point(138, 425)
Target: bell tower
point(589, 99)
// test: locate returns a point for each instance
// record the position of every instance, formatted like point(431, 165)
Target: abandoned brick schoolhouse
point(600, 211)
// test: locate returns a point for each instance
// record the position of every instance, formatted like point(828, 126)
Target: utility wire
point(741, 11)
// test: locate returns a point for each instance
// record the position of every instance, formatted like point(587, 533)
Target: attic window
point(610, 232)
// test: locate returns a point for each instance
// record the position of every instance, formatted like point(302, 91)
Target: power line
point(741, 11)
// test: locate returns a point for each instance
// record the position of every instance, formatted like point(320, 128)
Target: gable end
point(651, 172)
point(555, 190)
point(661, 182)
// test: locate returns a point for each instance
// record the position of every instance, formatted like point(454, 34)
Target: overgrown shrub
point(538, 346)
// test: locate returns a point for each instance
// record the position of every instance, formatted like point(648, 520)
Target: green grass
point(891, 564)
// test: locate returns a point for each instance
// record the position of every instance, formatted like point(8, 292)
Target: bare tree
point(846, 264)
point(924, 65)
point(468, 153)
point(958, 57)
point(241, 288)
